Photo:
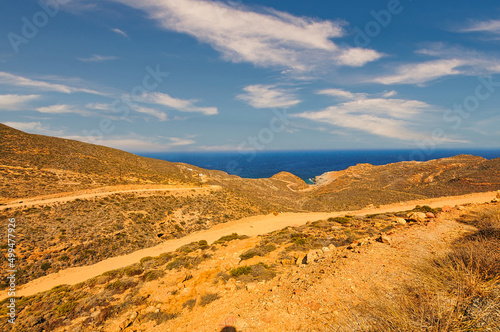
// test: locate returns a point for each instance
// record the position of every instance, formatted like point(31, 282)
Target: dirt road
point(248, 226)
point(100, 192)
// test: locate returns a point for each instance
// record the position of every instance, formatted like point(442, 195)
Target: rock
point(313, 255)
point(384, 239)
point(301, 259)
point(128, 321)
point(446, 208)
point(416, 216)
point(250, 287)
point(332, 247)
point(430, 215)
point(498, 194)
point(400, 221)
point(325, 249)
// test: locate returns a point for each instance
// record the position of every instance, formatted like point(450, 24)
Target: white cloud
point(64, 109)
point(34, 128)
point(422, 72)
point(390, 118)
point(98, 58)
point(162, 116)
point(15, 80)
point(357, 57)
point(451, 61)
point(268, 96)
point(16, 102)
point(150, 111)
point(182, 105)
point(137, 143)
point(267, 38)
point(492, 26)
point(339, 93)
point(120, 32)
point(176, 141)
point(388, 94)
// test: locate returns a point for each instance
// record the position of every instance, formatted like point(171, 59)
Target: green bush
point(240, 271)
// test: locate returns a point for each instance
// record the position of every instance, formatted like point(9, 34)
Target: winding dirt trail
point(250, 226)
point(98, 192)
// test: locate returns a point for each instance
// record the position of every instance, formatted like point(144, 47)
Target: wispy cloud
point(264, 38)
point(64, 109)
point(108, 108)
point(268, 96)
point(34, 128)
point(491, 26)
point(138, 143)
point(451, 61)
point(120, 32)
point(418, 73)
point(378, 116)
point(181, 105)
point(16, 102)
point(20, 81)
point(342, 94)
point(176, 141)
point(98, 58)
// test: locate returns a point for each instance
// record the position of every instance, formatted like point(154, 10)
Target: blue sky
point(191, 75)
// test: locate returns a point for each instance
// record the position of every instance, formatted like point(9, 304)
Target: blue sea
point(304, 164)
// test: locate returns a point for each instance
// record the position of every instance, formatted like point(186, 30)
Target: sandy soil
point(249, 226)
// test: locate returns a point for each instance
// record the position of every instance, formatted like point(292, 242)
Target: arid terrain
point(110, 241)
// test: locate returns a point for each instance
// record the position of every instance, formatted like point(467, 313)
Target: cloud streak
point(181, 105)
point(268, 38)
point(390, 118)
point(98, 58)
point(120, 32)
point(16, 102)
point(268, 96)
point(20, 81)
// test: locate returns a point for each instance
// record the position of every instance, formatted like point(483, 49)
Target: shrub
point(260, 250)
point(159, 317)
point(208, 298)
point(236, 272)
point(66, 307)
point(231, 237)
point(340, 220)
point(189, 304)
point(153, 275)
point(45, 266)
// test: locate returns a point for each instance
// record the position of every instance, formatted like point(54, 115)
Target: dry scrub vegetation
point(83, 232)
point(457, 291)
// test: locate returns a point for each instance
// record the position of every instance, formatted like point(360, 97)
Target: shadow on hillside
point(228, 329)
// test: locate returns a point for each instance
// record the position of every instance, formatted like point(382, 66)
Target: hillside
point(58, 234)
point(384, 272)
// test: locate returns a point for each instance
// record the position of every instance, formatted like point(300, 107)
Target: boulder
point(416, 216)
point(400, 221)
point(430, 215)
point(325, 249)
point(384, 239)
point(301, 259)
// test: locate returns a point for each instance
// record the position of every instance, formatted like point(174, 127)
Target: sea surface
point(304, 164)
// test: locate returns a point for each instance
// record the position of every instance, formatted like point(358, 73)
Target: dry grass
point(459, 291)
